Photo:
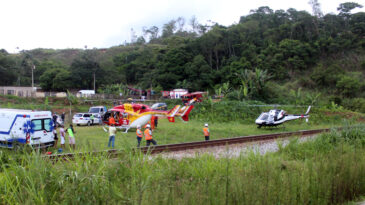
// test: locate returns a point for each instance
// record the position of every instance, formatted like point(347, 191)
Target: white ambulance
point(18, 127)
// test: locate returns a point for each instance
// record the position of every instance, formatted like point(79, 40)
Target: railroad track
point(190, 145)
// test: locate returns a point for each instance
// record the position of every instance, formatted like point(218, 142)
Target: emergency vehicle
point(128, 116)
point(19, 127)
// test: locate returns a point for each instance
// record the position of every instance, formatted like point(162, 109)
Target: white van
point(101, 110)
point(26, 127)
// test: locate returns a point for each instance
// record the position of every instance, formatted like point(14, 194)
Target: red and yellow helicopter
point(128, 116)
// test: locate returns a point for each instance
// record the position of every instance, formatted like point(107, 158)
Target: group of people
point(71, 136)
point(147, 134)
point(55, 117)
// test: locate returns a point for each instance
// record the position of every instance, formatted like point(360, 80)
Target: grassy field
point(226, 119)
point(327, 170)
point(95, 138)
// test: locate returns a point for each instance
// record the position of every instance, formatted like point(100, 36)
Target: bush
point(349, 85)
point(327, 76)
point(354, 104)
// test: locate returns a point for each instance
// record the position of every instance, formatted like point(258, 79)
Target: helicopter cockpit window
point(263, 116)
point(116, 116)
point(106, 116)
point(125, 115)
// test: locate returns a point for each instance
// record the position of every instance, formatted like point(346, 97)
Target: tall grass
point(327, 170)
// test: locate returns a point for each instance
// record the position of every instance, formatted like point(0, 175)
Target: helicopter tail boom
point(309, 108)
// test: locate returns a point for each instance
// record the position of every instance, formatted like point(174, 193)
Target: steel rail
point(188, 145)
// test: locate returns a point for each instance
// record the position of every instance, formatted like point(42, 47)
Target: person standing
point(112, 131)
point(148, 136)
point(55, 136)
point(111, 119)
point(63, 117)
point(206, 132)
point(153, 122)
point(54, 118)
point(62, 136)
point(92, 119)
point(139, 135)
point(71, 136)
point(156, 121)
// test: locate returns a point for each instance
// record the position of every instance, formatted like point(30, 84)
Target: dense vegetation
point(267, 56)
point(327, 170)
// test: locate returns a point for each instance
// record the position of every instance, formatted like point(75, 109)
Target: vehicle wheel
point(88, 123)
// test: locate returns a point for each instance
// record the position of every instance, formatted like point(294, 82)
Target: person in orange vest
point(111, 120)
point(139, 135)
point(153, 122)
point(206, 131)
point(149, 123)
point(148, 136)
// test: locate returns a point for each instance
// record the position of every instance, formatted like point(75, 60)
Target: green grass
point(226, 119)
point(328, 170)
point(95, 138)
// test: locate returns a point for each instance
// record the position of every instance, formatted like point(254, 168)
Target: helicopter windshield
point(264, 116)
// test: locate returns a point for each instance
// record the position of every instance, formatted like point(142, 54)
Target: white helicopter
point(275, 117)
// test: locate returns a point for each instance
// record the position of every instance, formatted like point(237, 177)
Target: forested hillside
point(269, 56)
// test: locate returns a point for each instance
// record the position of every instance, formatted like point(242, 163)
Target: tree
point(85, 69)
point(316, 8)
point(168, 29)
point(7, 71)
point(152, 33)
point(56, 79)
point(199, 74)
point(345, 8)
point(172, 67)
point(133, 36)
point(44, 66)
point(357, 23)
point(327, 76)
point(254, 82)
point(194, 25)
point(296, 55)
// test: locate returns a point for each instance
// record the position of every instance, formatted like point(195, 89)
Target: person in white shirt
point(112, 131)
point(62, 136)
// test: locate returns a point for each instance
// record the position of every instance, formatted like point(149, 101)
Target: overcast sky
point(29, 24)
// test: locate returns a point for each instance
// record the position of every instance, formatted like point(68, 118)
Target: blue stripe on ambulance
point(20, 140)
point(12, 124)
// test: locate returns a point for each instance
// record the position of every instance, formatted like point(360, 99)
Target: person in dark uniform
point(63, 117)
point(54, 118)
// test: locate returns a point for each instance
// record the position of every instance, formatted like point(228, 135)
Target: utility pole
point(33, 68)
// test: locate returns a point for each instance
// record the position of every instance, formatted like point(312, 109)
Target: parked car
point(159, 106)
point(84, 119)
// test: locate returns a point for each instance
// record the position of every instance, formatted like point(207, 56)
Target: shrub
point(327, 76)
point(348, 85)
point(354, 104)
